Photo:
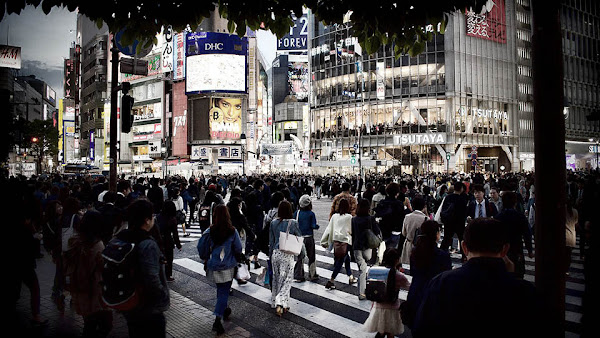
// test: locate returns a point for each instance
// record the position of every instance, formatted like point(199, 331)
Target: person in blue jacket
point(220, 246)
point(307, 222)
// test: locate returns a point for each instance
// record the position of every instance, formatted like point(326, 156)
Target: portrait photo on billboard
point(225, 118)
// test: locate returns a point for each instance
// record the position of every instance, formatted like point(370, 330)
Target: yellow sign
point(290, 125)
point(225, 118)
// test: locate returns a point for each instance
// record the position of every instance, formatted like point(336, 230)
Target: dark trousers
point(222, 298)
point(29, 278)
point(146, 325)
point(449, 231)
point(337, 266)
point(309, 243)
point(97, 324)
point(169, 265)
point(581, 233)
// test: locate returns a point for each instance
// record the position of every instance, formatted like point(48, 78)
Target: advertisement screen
point(490, 24)
point(225, 118)
point(216, 72)
point(298, 80)
point(216, 62)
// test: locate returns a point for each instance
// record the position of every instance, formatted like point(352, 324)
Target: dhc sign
point(419, 139)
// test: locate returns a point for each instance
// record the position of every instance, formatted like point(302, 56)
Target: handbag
point(66, 235)
point(180, 215)
point(372, 240)
point(260, 279)
point(242, 272)
point(339, 249)
point(290, 244)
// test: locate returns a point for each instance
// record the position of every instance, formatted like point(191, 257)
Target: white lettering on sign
point(213, 46)
point(489, 113)
point(416, 139)
point(179, 121)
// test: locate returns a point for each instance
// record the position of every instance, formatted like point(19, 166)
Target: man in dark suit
point(480, 207)
point(481, 298)
point(454, 213)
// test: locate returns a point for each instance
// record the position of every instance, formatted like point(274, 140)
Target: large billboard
point(216, 62)
point(298, 80)
point(490, 24)
point(10, 57)
point(224, 116)
point(297, 38)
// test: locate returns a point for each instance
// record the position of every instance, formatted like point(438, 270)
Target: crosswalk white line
point(303, 310)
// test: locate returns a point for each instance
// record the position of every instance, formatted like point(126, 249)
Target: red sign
point(490, 24)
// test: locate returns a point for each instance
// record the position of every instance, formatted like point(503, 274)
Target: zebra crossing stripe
point(303, 310)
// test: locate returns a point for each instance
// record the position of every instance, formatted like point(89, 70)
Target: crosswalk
point(340, 310)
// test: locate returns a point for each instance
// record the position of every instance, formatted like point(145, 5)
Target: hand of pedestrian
point(510, 266)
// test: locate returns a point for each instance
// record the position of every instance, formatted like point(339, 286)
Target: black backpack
point(448, 213)
point(205, 216)
point(120, 284)
point(377, 285)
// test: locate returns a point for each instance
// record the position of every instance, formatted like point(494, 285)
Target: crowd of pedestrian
point(379, 219)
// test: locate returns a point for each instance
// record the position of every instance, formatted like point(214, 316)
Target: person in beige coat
point(339, 234)
point(412, 222)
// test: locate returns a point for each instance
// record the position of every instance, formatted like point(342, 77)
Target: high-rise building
point(453, 107)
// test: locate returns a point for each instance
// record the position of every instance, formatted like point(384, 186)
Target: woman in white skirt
point(384, 317)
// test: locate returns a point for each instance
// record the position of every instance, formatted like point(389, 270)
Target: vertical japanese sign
point(92, 146)
point(179, 56)
point(490, 24)
point(380, 73)
point(167, 54)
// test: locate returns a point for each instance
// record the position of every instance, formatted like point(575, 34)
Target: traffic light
point(126, 118)
point(353, 160)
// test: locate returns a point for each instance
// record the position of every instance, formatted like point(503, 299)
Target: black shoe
point(227, 313)
point(300, 280)
point(330, 285)
point(241, 281)
point(257, 265)
point(218, 326)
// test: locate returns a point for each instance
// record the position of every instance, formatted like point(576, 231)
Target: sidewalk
point(185, 318)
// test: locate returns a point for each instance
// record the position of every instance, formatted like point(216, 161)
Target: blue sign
point(215, 43)
point(297, 39)
point(92, 146)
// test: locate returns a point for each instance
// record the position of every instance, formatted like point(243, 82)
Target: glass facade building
point(456, 100)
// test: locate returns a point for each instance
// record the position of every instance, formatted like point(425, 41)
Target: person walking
point(167, 225)
point(84, 264)
point(426, 261)
point(307, 223)
point(147, 319)
point(572, 219)
point(384, 317)
point(362, 222)
point(391, 213)
point(482, 294)
point(480, 207)
point(518, 231)
point(412, 223)
point(453, 215)
point(219, 246)
point(179, 209)
point(239, 221)
point(283, 263)
point(338, 235)
point(344, 195)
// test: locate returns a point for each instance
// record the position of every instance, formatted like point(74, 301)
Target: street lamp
point(243, 139)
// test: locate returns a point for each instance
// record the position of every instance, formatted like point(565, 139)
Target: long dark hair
point(391, 257)
point(425, 244)
point(221, 229)
point(285, 210)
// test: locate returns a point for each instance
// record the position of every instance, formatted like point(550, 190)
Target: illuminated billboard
point(224, 116)
point(216, 62)
point(490, 24)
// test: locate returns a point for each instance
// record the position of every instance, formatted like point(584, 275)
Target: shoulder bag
point(372, 240)
point(290, 244)
point(67, 234)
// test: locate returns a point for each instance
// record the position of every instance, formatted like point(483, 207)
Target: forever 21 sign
point(297, 38)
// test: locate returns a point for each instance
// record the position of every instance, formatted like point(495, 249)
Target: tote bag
point(66, 235)
point(290, 244)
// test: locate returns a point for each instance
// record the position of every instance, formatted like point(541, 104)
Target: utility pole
point(549, 140)
point(114, 97)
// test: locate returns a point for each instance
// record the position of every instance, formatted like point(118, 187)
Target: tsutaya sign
point(489, 113)
point(419, 139)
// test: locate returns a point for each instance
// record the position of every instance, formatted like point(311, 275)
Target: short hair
point(363, 208)
point(285, 210)
point(169, 209)
point(90, 227)
point(343, 207)
point(477, 187)
point(138, 212)
point(277, 197)
point(509, 199)
point(459, 186)
point(345, 186)
point(110, 197)
point(392, 189)
point(485, 235)
point(418, 203)
point(258, 184)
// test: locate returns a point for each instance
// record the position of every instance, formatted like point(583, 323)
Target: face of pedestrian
point(494, 194)
point(478, 195)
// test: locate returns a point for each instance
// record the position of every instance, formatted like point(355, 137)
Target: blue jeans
point(222, 298)
point(337, 266)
